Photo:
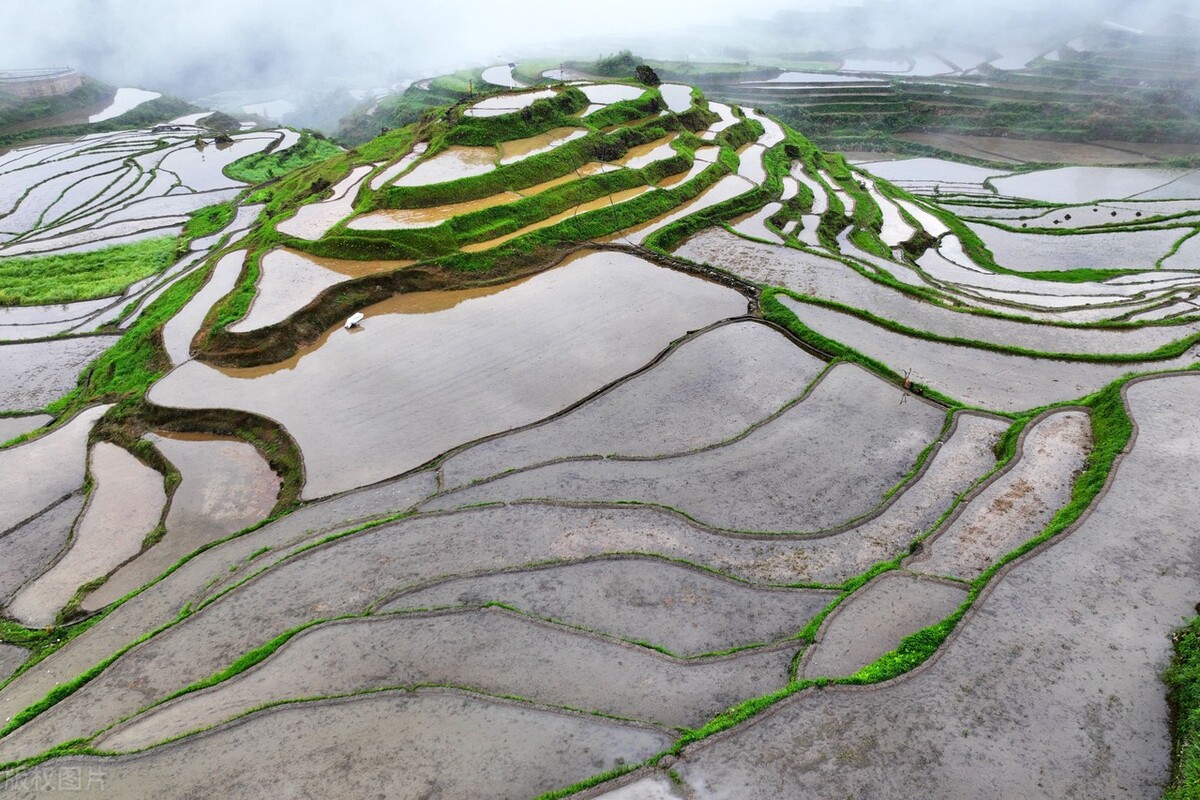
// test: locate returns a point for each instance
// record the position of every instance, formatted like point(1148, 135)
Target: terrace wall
point(29, 84)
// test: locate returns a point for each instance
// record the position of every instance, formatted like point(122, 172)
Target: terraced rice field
point(665, 456)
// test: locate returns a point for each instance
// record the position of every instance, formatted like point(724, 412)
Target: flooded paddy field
point(85, 194)
point(598, 310)
point(1042, 726)
point(457, 742)
point(289, 280)
point(38, 473)
point(1017, 506)
point(1018, 251)
point(620, 488)
point(709, 389)
point(29, 548)
point(817, 276)
point(12, 427)
point(1087, 184)
point(997, 148)
point(123, 509)
point(487, 649)
point(508, 103)
point(875, 619)
point(877, 447)
point(226, 486)
point(687, 611)
point(984, 378)
point(11, 658)
point(32, 374)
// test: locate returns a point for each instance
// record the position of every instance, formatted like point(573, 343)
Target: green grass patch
point(208, 220)
point(129, 367)
point(66, 278)
point(1183, 691)
point(260, 167)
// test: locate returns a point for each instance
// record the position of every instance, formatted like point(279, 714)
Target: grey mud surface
point(369, 567)
point(823, 277)
point(205, 574)
point(979, 377)
point(1018, 505)
point(823, 462)
point(125, 505)
point(12, 427)
point(1052, 687)
point(489, 650)
point(391, 744)
point(31, 548)
point(11, 658)
point(707, 390)
point(686, 610)
point(406, 387)
point(39, 473)
point(874, 620)
point(226, 486)
point(655, 787)
point(33, 374)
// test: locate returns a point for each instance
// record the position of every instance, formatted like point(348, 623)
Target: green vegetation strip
point(70, 277)
point(1183, 684)
point(210, 219)
point(260, 167)
point(1166, 351)
point(1112, 430)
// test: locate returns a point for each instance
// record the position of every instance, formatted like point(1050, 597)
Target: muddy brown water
point(517, 149)
point(226, 486)
point(124, 507)
point(592, 205)
point(391, 218)
point(288, 280)
point(373, 402)
point(1051, 689)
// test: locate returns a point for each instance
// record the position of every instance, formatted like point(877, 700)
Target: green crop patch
point(260, 167)
point(70, 277)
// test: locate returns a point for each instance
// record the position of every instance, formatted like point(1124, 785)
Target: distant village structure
point(28, 84)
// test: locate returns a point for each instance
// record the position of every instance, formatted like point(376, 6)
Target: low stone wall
point(28, 84)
